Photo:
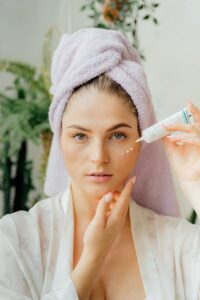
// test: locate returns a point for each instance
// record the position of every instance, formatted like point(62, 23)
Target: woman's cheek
point(129, 157)
point(66, 147)
point(69, 150)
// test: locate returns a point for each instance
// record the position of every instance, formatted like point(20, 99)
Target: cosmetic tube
point(156, 131)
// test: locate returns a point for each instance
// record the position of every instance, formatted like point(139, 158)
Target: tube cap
point(139, 140)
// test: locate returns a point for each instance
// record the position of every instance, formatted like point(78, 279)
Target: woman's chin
point(99, 190)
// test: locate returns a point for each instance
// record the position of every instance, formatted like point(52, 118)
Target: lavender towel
point(81, 56)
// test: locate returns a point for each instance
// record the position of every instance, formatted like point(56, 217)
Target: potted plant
point(23, 118)
point(122, 15)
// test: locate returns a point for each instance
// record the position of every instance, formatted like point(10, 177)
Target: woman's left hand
point(185, 158)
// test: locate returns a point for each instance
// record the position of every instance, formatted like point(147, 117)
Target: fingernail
point(108, 197)
point(133, 179)
point(191, 104)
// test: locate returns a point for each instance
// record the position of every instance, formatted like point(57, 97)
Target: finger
point(180, 136)
point(194, 110)
point(115, 195)
point(179, 127)
point(102, 207)
point(122, 203)
point(105, 210)
point(192, 140)
point(173, 144)
point(112, 204)
point(169, 145)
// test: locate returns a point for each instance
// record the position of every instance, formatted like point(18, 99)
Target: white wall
point(171, 49)
point(23, 24)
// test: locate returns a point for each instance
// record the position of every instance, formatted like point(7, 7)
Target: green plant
point(193, 217)
point(23, 117)
point(122, 15)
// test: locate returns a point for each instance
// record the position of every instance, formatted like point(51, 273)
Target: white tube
point(156, 131)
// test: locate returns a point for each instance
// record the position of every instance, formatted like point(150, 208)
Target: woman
point(105, 237)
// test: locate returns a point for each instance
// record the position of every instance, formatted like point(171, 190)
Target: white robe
point(36, 253)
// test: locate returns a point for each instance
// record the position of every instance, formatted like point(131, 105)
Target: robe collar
point(139, 230)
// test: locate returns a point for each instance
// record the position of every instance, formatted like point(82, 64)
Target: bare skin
point(119, 278)
point(103, 244)
point(99, 149)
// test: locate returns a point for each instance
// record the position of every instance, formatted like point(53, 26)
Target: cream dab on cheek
point(127, 151)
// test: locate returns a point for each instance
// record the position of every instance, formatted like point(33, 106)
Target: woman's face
point(96, 147)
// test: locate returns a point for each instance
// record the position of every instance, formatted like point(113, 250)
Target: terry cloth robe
point(36, 252)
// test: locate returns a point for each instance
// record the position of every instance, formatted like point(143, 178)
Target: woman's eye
point(79, 134)
point(119, 135)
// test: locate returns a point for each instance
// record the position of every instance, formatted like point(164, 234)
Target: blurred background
point(166, 34)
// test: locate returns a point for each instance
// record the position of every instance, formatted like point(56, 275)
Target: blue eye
point(119, 134)
point(78, 134)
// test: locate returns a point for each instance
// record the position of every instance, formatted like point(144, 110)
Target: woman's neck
point(84, 205)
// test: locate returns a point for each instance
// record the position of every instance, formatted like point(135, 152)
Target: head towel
point(81, 56)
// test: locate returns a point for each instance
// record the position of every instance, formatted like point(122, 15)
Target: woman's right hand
point(107, 222)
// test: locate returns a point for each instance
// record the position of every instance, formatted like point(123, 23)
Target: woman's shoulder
point(167, 225)
point(168, 233)
point(151, 214)
point(37, 219)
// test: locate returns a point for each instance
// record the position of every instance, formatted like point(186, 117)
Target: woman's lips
point(103, 178)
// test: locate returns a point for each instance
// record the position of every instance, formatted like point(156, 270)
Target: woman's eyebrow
point(109, 129)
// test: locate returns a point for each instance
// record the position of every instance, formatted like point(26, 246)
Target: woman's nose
point(99, 154)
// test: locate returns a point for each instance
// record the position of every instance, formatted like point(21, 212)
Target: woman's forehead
point(97, 103)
